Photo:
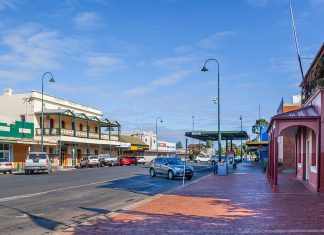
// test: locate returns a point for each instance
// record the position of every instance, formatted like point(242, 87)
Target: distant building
point(70, 130)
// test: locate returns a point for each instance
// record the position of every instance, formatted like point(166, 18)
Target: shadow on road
point(38, 220)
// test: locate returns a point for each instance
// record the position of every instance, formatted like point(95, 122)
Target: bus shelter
point(228, 136)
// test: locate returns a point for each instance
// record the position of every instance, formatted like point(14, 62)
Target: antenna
point(296, 41)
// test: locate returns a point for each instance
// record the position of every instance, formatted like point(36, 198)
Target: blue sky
point(141, 59)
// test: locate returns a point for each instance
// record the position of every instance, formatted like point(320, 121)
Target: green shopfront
point(15, 141)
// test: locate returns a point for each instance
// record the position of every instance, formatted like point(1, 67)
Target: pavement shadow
point(96, 210)
point(38, 220)
point(156, 218)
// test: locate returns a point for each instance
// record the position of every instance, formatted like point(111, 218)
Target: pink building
point(304, 126)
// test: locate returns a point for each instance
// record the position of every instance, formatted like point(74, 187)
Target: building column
point(59, 124)
point(275, 165)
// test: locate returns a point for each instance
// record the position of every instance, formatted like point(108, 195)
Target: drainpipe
point(319, 156)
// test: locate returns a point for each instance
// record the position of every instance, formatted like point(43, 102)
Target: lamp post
point(204, 69)
point(42, 118)
point(156, 132)
point(241, 138)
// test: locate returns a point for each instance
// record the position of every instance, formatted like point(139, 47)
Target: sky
point(137, 60)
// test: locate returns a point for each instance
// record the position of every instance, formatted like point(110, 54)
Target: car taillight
point(46, 161)
point(8, 164)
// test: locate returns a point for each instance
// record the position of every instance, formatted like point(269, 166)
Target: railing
point(79, 134)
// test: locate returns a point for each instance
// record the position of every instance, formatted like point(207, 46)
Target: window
point(40, 122)
point(51, 123)
point(73, 125)
point(23, 118)
point(96, 129)
point(81, 127)
point(63, 124)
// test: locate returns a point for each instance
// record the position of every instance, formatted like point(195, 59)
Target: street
point(41, 203)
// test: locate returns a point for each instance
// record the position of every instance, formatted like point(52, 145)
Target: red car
point(128, 161)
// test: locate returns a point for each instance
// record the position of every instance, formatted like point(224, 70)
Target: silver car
point(5, 166)
point(171, 167)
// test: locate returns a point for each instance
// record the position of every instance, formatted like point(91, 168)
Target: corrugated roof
point(132, 140)
point(308, 112)
point(55, 111)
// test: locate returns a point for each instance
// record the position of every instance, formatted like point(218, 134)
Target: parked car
point(171, 167)
point(202, 159)
point(108, 160)
point(90, 161)
point(128, 161)
point(38, 161)
point(5, 166)
point(140, 160)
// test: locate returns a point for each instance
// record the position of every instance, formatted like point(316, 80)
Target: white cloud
point(215, 40)
point(174, 62)
point(32, 48)
point(100, 64)
point(8, 4)
point(168, 80)
point(87, 20)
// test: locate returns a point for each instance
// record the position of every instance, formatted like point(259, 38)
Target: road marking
point(6, 199)
point(146, 183)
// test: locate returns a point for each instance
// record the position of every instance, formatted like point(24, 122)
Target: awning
point(213, 135)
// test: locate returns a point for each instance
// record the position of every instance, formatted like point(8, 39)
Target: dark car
point(171, 167)
point(128, 161)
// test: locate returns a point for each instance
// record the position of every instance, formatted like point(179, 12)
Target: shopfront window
point(5, 151)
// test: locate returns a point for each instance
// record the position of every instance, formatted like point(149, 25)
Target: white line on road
point(6, 199)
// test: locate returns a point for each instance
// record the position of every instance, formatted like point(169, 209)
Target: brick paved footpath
point(233, 204)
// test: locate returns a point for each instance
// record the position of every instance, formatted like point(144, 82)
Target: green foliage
point(196, 150)
point(179, 145)
point(261, 122)
point(209, 144)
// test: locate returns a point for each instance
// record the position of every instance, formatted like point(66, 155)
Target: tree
point(209, 144)
point(179, 145)
point(261, 122)
point(196, 150)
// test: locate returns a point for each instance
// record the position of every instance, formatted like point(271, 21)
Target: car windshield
point(35, 156)
point(174, 161)
point(3, 160)
point(93, 157)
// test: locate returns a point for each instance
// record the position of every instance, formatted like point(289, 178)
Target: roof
point(308, 112)
point(109, 123)
point(132, 140)
point(213, 135)
point(249, 143)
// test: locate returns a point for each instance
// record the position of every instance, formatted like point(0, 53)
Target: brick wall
point(20, 152)
point(288, 153)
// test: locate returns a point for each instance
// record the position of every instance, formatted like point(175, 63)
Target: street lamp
point(204, 69)
point(156, 132)
point(241, 137)
point(42, 118)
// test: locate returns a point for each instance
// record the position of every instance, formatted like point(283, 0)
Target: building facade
point(69, 131)
point(304, 126)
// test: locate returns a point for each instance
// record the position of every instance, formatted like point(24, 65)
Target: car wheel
point(4, 172)
point(26, 172)
point(10, 172)
point(152, 172)
point(213, 162)
point(170, 175)
point(189, 177)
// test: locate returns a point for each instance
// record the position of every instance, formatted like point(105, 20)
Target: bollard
point(18, 166)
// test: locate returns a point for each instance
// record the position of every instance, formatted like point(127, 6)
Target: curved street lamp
point(156, 132)
point(205, 69)
point(42, 118)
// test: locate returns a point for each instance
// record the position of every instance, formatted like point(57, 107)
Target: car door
point(157, 165)
point(164, 166)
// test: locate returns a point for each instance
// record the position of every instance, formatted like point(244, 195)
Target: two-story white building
point(70, 131)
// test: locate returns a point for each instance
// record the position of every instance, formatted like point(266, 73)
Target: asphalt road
point(41, 204)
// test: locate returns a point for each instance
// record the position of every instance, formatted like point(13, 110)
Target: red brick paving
point(233, 204)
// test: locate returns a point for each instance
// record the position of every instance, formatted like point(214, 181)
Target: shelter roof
point(213, 135)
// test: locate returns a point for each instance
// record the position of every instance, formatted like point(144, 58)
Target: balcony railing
point(79, 134)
